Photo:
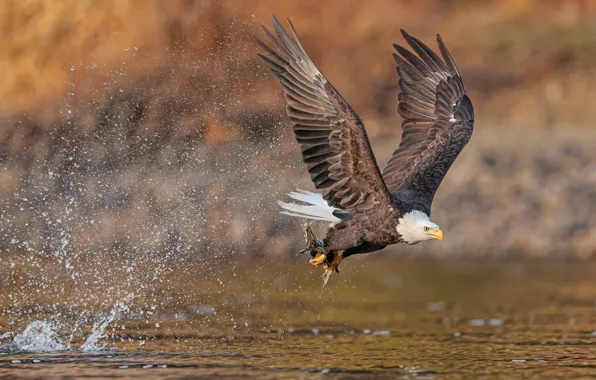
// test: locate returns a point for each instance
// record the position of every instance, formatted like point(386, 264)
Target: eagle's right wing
point(439, 119)
point(334, 143)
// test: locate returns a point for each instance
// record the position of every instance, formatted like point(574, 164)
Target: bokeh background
point(151, 126)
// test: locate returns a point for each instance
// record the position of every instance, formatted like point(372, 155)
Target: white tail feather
point(316, 208)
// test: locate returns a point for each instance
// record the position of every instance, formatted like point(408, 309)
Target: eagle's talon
point(318, 260)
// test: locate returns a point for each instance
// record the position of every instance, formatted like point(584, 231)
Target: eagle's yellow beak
point(437, 233)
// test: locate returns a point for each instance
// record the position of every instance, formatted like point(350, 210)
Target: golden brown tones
point(159, 132)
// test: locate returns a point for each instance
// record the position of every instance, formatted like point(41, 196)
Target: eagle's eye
point(426, 228)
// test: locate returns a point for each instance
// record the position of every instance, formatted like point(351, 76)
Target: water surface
point(383, 317)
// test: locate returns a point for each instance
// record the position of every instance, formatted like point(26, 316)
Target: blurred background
point(137, 126)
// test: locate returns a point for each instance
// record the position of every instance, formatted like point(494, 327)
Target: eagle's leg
point(332, 264)
point(333, 260)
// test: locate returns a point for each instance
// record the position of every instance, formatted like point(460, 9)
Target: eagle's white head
point(415, 226)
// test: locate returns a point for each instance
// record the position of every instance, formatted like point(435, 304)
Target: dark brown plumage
point(334, 144)
point(438, 122)
point(431, 94)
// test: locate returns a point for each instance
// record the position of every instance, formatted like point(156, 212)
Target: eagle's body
point(371, 209)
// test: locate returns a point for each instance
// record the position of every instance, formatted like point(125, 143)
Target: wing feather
point(438, 121)
point(333, 139)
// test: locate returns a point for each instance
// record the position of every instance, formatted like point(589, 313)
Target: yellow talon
point(318, 260)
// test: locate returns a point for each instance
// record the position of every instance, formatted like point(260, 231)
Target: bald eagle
point(369, 208)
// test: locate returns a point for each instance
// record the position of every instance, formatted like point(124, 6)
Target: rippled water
point(382, 317)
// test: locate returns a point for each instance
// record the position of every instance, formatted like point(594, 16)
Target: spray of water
point(41, 336)
point(38, 336)
point(125, 179)
point(95, 341)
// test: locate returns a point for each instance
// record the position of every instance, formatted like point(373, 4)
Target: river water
point(382, 317)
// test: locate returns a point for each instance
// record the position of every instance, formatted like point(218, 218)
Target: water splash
point(39, 336)
point(98, 334)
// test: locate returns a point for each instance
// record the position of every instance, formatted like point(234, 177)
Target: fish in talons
point(319, 257)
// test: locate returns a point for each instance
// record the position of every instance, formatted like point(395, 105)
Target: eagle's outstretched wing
point(334, 143)
point(439, 120)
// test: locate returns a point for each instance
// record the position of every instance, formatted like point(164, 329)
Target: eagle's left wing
point(439, 119)
point(334, 143)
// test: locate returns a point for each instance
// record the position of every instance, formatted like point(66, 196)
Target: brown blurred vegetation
point(133, 126)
